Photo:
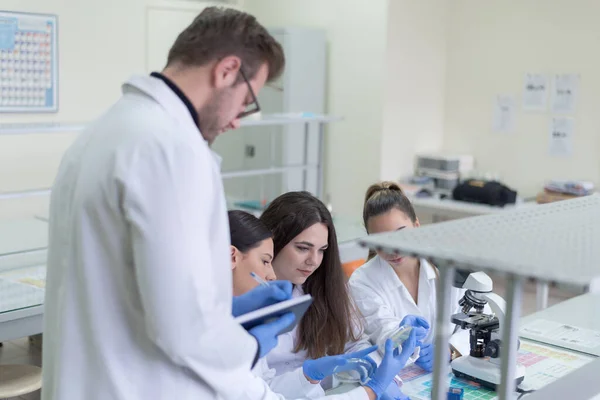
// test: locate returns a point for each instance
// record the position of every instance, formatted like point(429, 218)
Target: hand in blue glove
point(391, 365)
point(261, 296)
point(393, 392)
point(425, 359)
point(402, 396)
point(266, 334)
point(319, 369)
point(419, 324)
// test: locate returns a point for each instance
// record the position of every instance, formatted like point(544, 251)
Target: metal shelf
point(224, 175)
point(550, 242)
point(24, 193)
point(263, 120)
point(40, 127)
point(266, 171)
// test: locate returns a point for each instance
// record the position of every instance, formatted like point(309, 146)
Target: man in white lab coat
point(138, 299)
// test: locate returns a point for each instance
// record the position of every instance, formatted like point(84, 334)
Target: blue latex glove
point(319, 369)
point(386, 396)
point(266, 334)
point(261, 296)
point(391, 365)
point(393, 392)
point(425, 359)
point(418, 323)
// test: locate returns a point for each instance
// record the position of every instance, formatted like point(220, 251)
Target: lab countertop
point(578, 318)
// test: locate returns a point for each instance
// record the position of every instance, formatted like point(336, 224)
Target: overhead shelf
point(550, 242)
point(39, 127)
point(224, 175)
point(262, 120)
point(266, 171)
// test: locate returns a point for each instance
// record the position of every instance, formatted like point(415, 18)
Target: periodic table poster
point(28, 62)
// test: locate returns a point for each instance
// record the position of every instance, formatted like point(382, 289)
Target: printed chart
point(28, 62)
point(418, 384)
point(544, 364)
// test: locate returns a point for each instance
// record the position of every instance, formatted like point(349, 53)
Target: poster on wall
point(561, 137)
point(564, 93)
point(535, 92)
point(28, 62)
point(504, 114)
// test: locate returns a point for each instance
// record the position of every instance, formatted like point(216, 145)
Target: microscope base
point(483, 371)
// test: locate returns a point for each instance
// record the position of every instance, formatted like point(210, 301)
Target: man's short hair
point(219, 32)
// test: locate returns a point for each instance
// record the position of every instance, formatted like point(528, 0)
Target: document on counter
point(563, 335)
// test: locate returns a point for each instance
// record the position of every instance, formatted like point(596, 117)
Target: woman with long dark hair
point(306, 253)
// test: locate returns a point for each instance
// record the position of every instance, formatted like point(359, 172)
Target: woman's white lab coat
point(283, 359)
point(138, 296)
point(384, 300)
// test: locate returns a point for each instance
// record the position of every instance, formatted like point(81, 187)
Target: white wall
point(101, 44)
point(356, 33)
point(415, 62)
point(491, 46)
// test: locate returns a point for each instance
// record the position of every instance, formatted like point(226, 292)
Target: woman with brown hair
point(306, 253)
point(389, 287)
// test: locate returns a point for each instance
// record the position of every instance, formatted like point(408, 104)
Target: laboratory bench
point(556, 341)
point(22, 277)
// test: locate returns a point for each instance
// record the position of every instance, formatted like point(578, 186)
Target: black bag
point(484, 192)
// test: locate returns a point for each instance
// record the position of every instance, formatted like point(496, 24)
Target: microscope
point(482, 365)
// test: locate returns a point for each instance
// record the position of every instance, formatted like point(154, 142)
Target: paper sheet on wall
point(504, 114)
point(564, 92)
point(535, 92)
point(561, 137)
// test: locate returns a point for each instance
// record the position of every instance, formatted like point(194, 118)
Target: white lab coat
point(283, 359)
point(138, 296)
point(384, 301)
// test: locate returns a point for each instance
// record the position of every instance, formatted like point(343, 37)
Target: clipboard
point(297, 305)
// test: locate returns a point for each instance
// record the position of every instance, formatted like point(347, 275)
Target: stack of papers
point(574, 188)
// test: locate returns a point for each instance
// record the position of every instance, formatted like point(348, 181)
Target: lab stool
point(19, 379)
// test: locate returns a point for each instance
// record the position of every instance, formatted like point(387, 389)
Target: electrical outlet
point(250, 151)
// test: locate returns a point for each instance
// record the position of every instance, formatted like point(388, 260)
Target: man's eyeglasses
point(253, 107)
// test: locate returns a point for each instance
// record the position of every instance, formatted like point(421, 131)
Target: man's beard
point(209, 116)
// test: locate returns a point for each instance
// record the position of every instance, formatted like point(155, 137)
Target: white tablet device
point(264, 315)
